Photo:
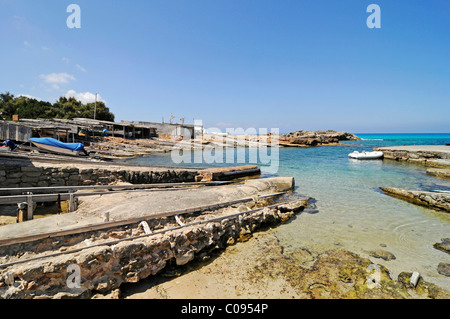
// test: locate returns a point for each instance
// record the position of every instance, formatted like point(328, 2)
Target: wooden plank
point(51, 189)
point(13, 199)
point(41, 198)
point(21, 212)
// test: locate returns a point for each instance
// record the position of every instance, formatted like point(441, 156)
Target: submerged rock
point(383, 254)
point(294, 206)
point(444, 269)
point(444, 245)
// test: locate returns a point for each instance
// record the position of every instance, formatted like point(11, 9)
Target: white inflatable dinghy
point(366, 155)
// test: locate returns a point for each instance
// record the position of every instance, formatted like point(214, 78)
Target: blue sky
point(289, 64)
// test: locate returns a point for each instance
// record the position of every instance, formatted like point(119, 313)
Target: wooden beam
point(57, 197)
point(51, 189)
point(21, 212)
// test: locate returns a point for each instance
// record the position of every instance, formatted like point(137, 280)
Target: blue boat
point(55, 146)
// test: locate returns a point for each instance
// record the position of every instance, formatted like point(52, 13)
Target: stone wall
point(105, 267)
point(31, 176)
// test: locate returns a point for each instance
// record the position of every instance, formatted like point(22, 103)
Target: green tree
point(6, 105)
point(101, 111)
point(30, 108)
point(67, 108)
point(64, 108)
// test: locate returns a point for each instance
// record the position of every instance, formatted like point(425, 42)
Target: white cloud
point(29, 45)
point(57, 78)
point(84, 97)
point(79, 67)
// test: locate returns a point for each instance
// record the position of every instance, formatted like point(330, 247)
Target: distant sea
point(349, 210)
point(390, 139)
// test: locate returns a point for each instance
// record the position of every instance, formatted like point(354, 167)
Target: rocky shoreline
point(436, 200)
point(439, 172)
point(437, 156)
point(110, 147)
point(261, 268)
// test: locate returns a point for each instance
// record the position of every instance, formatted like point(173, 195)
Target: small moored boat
point(55, 146)
point(366, 155)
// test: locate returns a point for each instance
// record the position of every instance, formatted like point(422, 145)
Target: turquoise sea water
point(349, 211)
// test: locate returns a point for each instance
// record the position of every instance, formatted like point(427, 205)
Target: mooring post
point(58, 204)
point(30, 206)
point(72, 202)
point(22, 212)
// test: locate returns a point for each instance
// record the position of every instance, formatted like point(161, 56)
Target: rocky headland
point(316, 138)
